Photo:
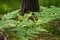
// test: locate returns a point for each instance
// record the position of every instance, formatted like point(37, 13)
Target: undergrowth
point(23, 28)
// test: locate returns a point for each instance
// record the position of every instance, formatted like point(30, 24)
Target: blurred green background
point(9, 5)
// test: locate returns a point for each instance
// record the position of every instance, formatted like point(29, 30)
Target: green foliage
point(25, 29)
point(49, 2)
point(9, 5)
point(21, 27)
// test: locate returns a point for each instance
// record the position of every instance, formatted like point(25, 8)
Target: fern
point(25, 29)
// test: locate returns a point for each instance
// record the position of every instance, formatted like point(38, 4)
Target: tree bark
point(30, 5)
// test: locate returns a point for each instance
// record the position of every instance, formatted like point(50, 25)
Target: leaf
point(10, 15)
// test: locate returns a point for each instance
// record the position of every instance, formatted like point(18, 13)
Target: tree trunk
point(30, 5)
